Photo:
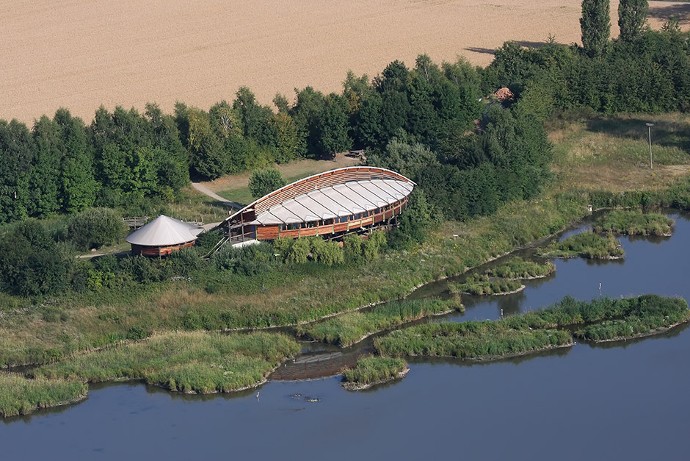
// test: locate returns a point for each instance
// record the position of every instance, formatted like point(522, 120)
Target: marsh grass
point(586, 245)
point(634, 222)
point(602, 319)
point(522, 269)
point(373, 370)
point(348, 329)
point(482, 285)
point(643, 316)
point(190, 362)
point(20, 395)
point(488, 340)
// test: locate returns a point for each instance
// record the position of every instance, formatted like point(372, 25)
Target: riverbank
point(193, 362)
point(22, 396)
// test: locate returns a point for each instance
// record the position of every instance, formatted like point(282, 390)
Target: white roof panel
point(338, 209)
point(339, 200)
point(164, 231)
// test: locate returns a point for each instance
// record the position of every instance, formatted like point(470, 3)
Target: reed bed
point(470, 341)
point(482, 285)
point(634, 222)
point(373, 370)
point(190, 362)
point(599, 320)
point(522, 269)
point(586, 245)
point(21, 396)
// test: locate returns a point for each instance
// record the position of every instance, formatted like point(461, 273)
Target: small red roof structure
point(504, 94)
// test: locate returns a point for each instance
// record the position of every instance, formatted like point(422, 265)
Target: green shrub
point(373, 370)
point(632, 222)
point(249, 260)
point(328, 253)
point(587, 245)
point(299, 251)
point(262, 182)
point(518, 268)
point(96, 227)
point(31, 263)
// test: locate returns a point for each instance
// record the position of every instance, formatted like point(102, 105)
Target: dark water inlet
point(622, 401)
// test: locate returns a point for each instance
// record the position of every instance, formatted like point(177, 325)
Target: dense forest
point(440, 125)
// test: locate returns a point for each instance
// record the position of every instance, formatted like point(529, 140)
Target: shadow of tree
point(680, 10)
point(664, 133)
point(525, 43)
point(475, 49)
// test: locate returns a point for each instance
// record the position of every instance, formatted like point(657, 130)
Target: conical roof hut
point(162, 236)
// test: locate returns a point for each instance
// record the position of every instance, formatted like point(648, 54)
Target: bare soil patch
point(80, 54)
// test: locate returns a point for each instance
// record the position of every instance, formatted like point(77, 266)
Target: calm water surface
point(629, 401)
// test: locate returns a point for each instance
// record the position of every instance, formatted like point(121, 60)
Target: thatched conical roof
point(164, 231)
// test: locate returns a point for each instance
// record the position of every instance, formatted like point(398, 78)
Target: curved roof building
point(162, 236)
point(332, 203)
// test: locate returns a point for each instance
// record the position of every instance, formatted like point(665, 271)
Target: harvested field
point(81, 54)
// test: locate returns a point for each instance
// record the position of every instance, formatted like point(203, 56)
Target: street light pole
point(649, 131)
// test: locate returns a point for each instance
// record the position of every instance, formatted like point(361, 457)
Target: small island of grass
point(348, 329)
point(587, 245)
point(21, 396)
point(476, 341)
point(374, 370)
point(599, 320)
point(482, 285)
point(631, 222)
point(643, 316)
point(522, 269)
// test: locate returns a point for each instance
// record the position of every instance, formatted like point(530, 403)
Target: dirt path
point(80, 54)
point(206, 191)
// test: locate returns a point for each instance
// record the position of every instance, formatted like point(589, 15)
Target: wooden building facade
point(330, 204)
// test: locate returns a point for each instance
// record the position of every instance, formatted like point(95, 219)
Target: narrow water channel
point(621, 401)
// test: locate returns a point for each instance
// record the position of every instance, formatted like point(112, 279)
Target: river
point(621, 401)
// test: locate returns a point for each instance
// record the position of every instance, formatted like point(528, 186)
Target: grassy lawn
point(612, 154)
point(235, 187)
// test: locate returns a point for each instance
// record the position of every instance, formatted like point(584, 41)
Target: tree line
point(641, 71)
point(431, 122)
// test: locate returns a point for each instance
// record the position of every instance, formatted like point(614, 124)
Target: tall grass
point(186, 362)
point(20, 395)
point(372, 370)
point(469, 341)
point(518, 268)
point(642, 317)
point(482, 285)
point(587, 245)
point(348, 329)
point(601, 319)
point(634, 222)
